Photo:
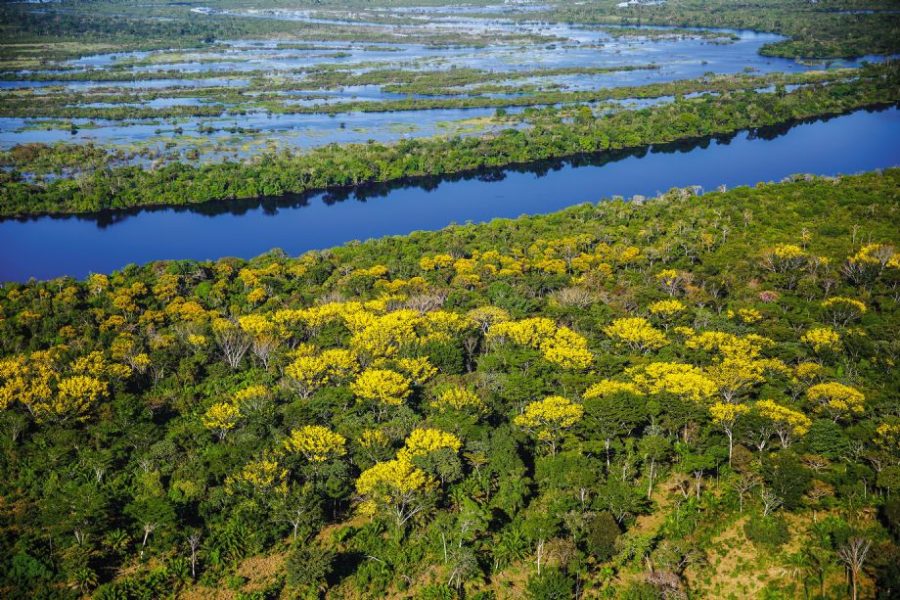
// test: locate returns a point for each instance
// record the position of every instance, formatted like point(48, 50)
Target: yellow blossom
point(548, 418)
point(316, 443)
point(637, 333)
point(822, 338)
point(381, 385)
point(836, 399)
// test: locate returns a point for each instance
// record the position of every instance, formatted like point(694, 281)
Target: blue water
point(48, 247)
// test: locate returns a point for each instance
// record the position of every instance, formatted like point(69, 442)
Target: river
point(47, 247)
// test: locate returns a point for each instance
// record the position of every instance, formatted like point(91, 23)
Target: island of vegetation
point(672, 397)
point(555, 133)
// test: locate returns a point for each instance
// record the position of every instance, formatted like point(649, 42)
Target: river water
point(47, 247)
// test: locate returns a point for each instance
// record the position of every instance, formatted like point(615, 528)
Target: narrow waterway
point(47, 247)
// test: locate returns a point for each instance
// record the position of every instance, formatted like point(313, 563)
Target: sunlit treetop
point(548, 417)
point(259, 476)
point(527, 332)
point(736, 374)
point(672, 281)
point(748, 316)
point(881, 255)
point(221, 418)
point(887, 437)
point(438, 261)
point(427, 440)
point(637, 334)
point(419, 370)
point(726, 412)
point(559, 345)
point(485, 316)
point(666, 308)
point(396, 487)
point(683, 380)
point(836, 399)
point(385, 335)
point(798, 423)
point(382, 385)
point(316, 443)
point(729, 345)
point(458, 399)
point(822, 338)
point(608, 387)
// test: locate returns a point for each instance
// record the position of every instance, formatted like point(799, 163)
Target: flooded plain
point(278, 92)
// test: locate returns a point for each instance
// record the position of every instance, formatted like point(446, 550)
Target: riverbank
point(58, 245)
point(352, 165)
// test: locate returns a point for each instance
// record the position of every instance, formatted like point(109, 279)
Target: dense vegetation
point(668, 397)
point(827, 29)
point(32, 37)
point(351, 165)
point(824, 29)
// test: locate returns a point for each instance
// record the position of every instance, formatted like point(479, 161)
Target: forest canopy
point(680, 395)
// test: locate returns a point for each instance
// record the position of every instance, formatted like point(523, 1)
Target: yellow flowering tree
point(725, 415)
point(307, 374)
point(265, 336)
point(382, 386)
point(396, 488)
point(259, 477)
point(787, 423)
point(419, 370)
point(221, 418)
point(74, 398)
point(685, 381)
point(317, 444)
point(558, 345)
point(735, 376)
point(887, 439)
point(383, 336)
point(375, 444)
point(843, 311)
point(666, 311)
point(637, 334)
point(547, 419)
point(460, 400)
point(608, 387)
point(822, 339)
point(485, 316)
point(870, 262)
point(671, 281)
point(837, 400)
point(784, 257)
point(427, 440)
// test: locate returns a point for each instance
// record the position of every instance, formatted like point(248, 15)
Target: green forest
point(682, 396)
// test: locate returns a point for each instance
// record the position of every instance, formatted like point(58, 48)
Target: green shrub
point(769, 532)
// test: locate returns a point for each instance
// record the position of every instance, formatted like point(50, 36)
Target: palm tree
point(797, 568)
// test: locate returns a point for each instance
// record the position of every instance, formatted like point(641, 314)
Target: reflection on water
point(574, 46)
point(52, 246)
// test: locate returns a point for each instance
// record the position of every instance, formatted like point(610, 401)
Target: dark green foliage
point(309, 565)
point(827, 438)
point(551, 584)
point(890, 511)
point(786, 475)
point(601, 535)
point(770, 532)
